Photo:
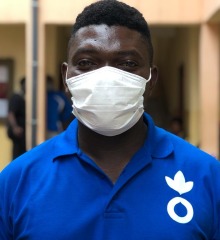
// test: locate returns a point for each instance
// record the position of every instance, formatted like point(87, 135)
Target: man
point(112, 174)
point(16, 121)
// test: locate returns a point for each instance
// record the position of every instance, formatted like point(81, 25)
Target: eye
point(85, 63)
point(128, 64)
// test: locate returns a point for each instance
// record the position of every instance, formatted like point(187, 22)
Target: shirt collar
point(157, 141)
point(66, 143)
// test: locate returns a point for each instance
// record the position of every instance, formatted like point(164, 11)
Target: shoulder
point(33, 161)
point(25, 173)
point(176, 151)
point(190, 158)
point(40, 159)
point(15, 96)
point(180, 144)
point(15, 100)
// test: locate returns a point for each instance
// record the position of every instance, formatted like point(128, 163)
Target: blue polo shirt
point(169, 190)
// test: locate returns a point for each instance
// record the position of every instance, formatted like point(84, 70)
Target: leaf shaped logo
point(179, 183)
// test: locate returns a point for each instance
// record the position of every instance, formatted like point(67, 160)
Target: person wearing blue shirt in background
point(112, 175)
point(59, 110)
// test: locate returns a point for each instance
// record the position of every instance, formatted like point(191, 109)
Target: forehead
point(108, 39)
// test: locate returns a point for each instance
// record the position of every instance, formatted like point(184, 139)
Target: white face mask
point(108, 100)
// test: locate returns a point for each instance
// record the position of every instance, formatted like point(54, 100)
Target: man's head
point(114, 13)
point(109, 33)
point(50, 83)
point(104, 34)
point(22, 85)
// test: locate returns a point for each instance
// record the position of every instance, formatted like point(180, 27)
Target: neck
point(95, 144)
point(112, 154)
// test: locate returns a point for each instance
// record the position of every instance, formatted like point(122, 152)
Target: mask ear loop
point(66, 74)
point(66, 88)
point(149, 76)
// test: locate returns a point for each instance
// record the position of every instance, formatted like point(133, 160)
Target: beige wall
point(12, 45)
point(192, 86)
point(184, 50)
point(57, 12)
point(209, 63)
point(51, 50)
point(175, 46)
point(13, 11)
point(210, 8)
point(155, 11)
point(170, 11)
point(56, 49)
point(5, 148)
point(63, 35)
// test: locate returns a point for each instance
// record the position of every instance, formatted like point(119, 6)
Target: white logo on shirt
point(181, 186)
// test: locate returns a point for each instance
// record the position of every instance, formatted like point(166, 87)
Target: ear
point(64, 68)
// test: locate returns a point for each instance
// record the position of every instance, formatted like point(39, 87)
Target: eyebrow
point(82, 51)
point(122, 53)
point(85, 50)
point(128, 53)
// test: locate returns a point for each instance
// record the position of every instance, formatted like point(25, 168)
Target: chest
point(138, 207)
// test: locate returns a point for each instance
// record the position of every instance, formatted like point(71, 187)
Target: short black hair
point(114, 13)
point(178, 120)
point(22, 81)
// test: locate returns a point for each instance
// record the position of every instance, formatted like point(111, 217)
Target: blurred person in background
point(59, 110)
point(16, 121)
point(176, 127)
